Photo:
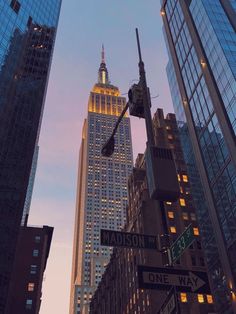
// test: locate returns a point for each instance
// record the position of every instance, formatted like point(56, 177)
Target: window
point(168, 203)
point(193, 216)
point(202, 262)
point(185, 178)
point(171, 215)
point(209, 298)
point(193, 260)
point(182, 202)
point(173, 229)
point(35, 253)
point(199, 246)
point(179, 179)
point(29, 304)
point(30, 286)
point(200, 298)
point(15, 5)
point(33, 269)
point(37, 239)
point(185, 216)
point(196, 231)
point(183, 297)
point(30, 20)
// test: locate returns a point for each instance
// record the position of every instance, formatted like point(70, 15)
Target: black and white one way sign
point(165, 278)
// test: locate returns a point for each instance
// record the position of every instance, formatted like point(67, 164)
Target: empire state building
point(101, 189)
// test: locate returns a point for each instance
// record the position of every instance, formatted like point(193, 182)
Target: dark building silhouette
point(26, 46)
point(118, 291)
point(201, 39)
point(27, 276)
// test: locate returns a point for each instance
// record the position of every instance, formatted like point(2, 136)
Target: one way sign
point(165, 278)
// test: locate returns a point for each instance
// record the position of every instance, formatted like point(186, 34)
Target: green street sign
point(181, 244)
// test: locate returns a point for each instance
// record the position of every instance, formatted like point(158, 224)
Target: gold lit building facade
point(101, 189)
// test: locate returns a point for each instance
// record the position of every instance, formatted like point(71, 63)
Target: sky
point(84, 26)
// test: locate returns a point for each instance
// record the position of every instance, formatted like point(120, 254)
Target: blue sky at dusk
point(84, 26)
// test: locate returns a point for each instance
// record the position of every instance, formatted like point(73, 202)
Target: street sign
point(129, 240)
point(165, 278)
point(181, 244)
point(170, 304)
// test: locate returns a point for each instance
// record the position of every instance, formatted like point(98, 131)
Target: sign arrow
point(164, 278)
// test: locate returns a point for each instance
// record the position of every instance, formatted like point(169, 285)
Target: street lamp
point(109, 146)
point(160, 167)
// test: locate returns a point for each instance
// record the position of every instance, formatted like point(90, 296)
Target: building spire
point(103, 73)
point(103, 54)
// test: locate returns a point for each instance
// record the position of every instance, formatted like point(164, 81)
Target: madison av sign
point(129, 240)
point(165, 278)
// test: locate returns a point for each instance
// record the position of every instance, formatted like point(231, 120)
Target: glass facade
point(213, 45)
point(27, 33)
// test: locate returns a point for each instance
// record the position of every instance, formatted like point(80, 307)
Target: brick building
point(30, 262)
point(118, 292)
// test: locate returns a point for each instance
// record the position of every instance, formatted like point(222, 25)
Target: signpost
point(170, 304)
point(165, 278)
point(129, 240)
point(181, 244)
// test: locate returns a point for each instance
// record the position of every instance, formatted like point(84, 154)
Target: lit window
point(185, 178)
point(209, 298)
point(182, 202)
point(29, 304)
point(173, 229)
point(171, 215)
point(30, 286)
point(37, 239)
point(200, 298)
point(183, 297)
point(170, 137)
point(193, 216)
point(179, 179)
point(196, 231)
point(168, 203)
point(33, 269)
point(35, 253)
point(181, 189)
point(185, 216)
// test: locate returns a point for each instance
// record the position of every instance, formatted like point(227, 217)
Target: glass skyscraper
point(201, 41)
point(27, 33)
point(101, 190)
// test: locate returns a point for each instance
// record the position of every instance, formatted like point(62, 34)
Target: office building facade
point(119, 291)
point(201, 41)
point(29, 192)
point(101, 189)
point(27, 35)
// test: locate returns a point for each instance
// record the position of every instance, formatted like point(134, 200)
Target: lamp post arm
point(119, 119)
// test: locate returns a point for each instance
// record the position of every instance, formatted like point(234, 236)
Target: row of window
point(201, 298)
point(185, 215)
point(195, 230)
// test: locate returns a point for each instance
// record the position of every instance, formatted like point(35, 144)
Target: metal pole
point(146, 97)
point(148, 120)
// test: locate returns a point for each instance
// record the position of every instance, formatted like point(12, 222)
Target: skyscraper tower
point(26, 45)
point(201, 40)
point(101, 190)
